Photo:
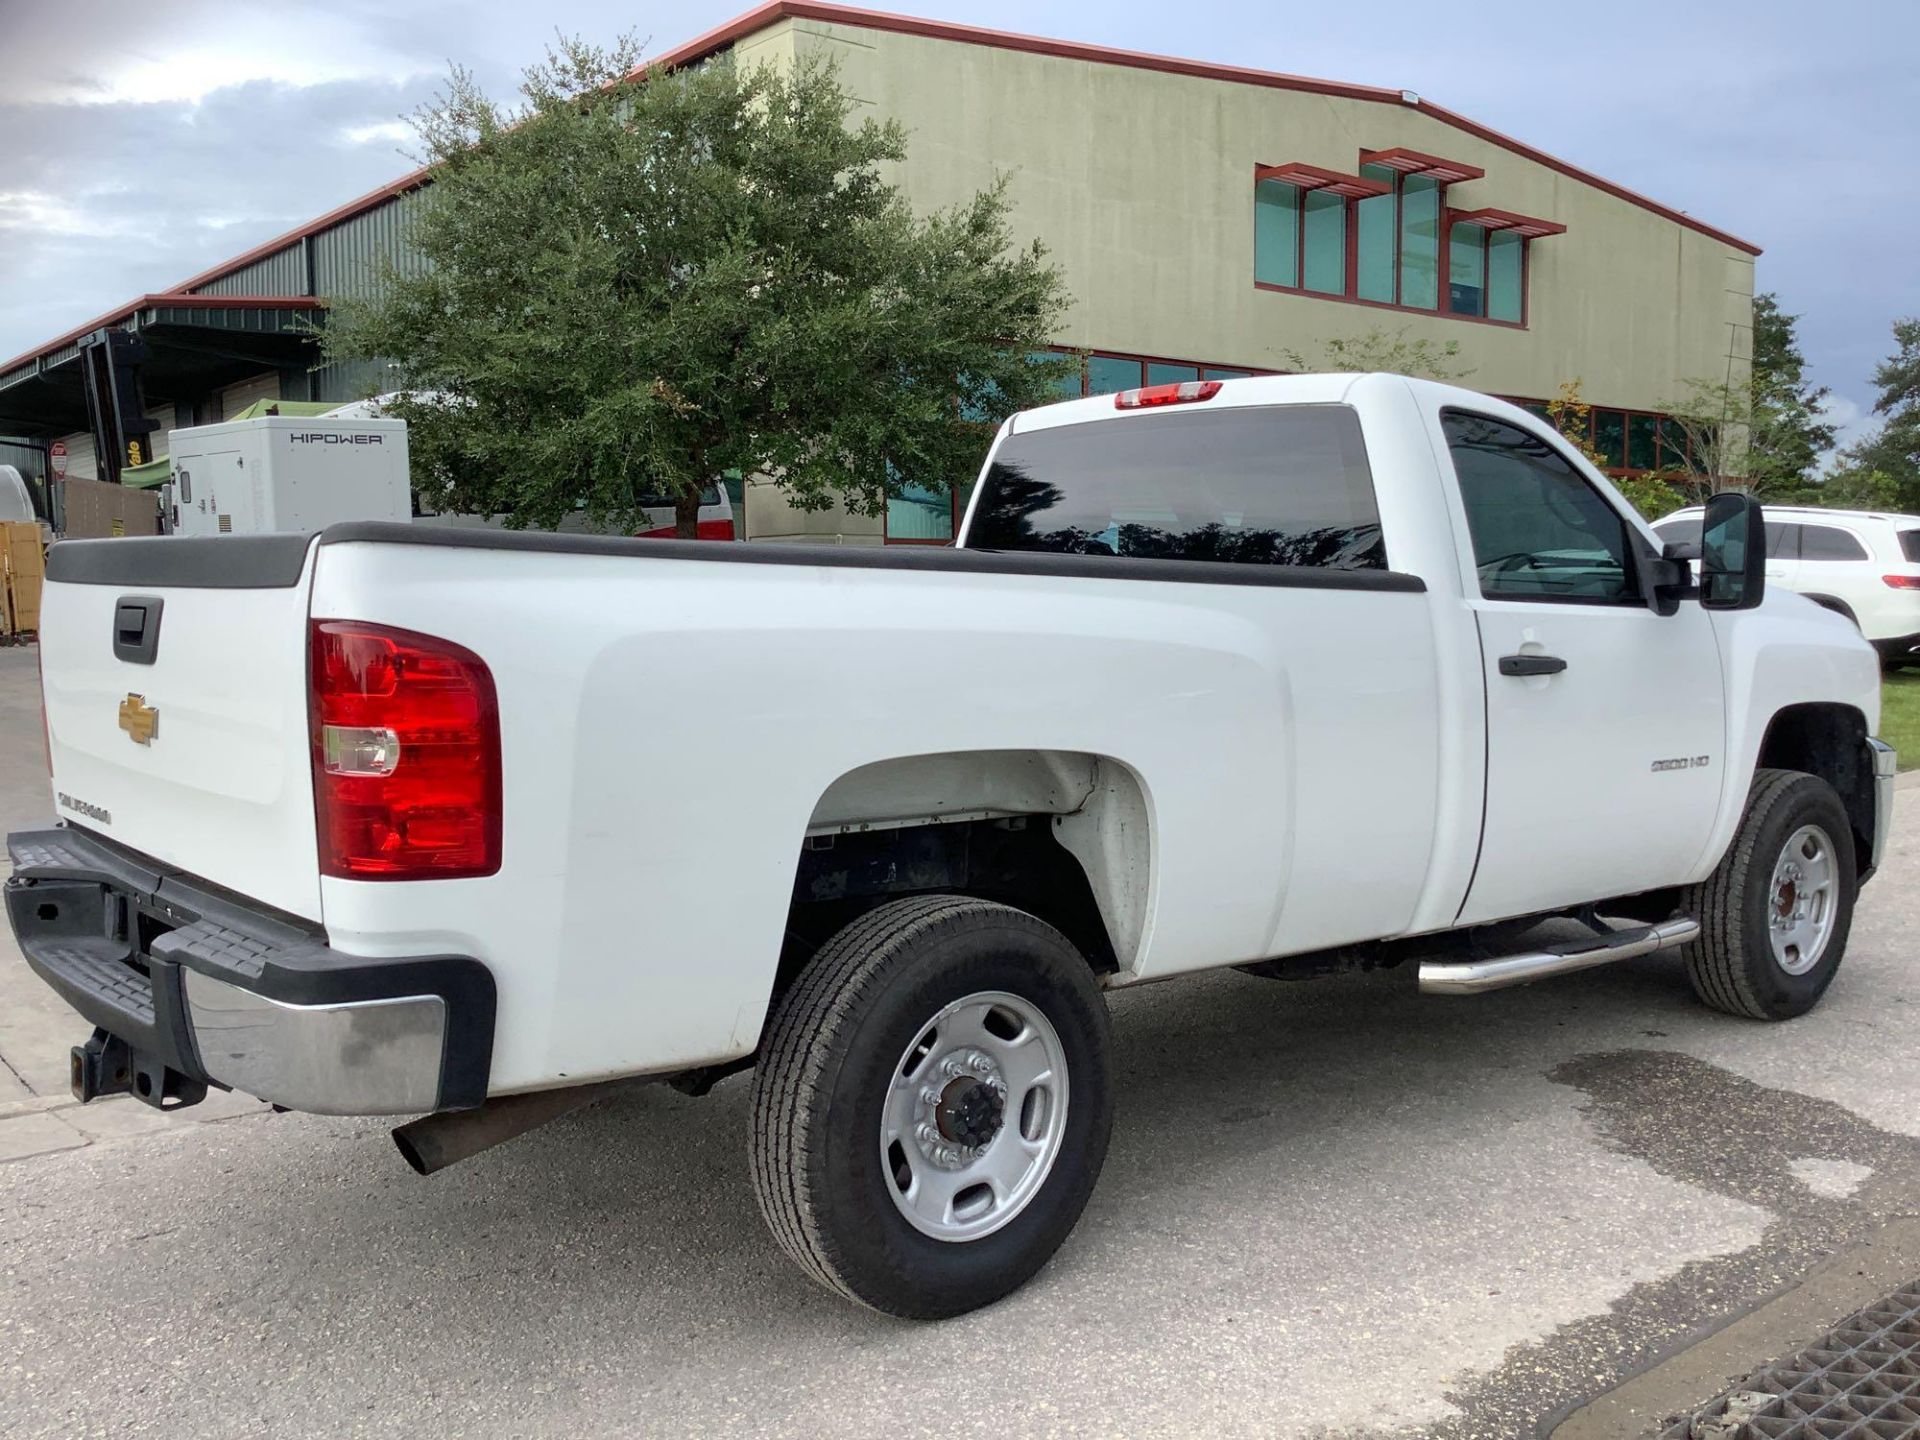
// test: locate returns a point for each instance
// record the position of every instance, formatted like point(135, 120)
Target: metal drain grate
point(1861, 1382)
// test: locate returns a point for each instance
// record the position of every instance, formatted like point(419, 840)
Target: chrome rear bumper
point(188, 986)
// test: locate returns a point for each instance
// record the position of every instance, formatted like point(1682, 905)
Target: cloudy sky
point(142, 142)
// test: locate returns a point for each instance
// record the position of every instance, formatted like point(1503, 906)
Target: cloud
point(1852, 422)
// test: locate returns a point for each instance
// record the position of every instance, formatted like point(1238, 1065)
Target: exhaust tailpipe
point(434, 1142)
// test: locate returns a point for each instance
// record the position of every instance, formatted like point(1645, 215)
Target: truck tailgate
point(197, 753)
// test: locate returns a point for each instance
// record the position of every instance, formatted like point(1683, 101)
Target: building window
point(1387, 236)
point(1506, 276)
point(1300, 239)
point(1276, 233)
point(1419, 243)
point(1628, 442)
point(1376, 248)
point(919, 516)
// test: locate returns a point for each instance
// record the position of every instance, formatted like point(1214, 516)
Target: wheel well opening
point(1828, 740)
point(1017, 860)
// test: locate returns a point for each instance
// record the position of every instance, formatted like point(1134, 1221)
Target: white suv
point(1864, 564)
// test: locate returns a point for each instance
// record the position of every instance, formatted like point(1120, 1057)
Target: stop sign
point(57, 454)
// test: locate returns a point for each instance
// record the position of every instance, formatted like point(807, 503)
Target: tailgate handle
point(136, 628)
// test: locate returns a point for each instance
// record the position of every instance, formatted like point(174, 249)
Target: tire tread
point(831, 993)
point(1717, 959)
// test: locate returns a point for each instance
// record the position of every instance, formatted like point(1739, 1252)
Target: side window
point(1783, 540)
point(1824, 542)
point(1540, 531)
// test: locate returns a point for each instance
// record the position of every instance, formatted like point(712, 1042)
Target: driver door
point(1605, 721)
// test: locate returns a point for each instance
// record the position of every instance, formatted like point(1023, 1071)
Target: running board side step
point(1473, 977)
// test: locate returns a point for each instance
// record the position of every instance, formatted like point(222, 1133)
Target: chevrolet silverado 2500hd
point(1283, 673)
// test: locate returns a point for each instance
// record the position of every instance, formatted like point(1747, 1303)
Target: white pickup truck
point(1285, 673)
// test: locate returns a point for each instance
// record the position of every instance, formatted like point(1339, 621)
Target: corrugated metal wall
point(29, 460)
point(344, 258)
point(284, 272)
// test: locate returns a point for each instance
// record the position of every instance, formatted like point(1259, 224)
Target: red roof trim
point(776, 10)
point(180, 300)
point(1418, 162)
point(1314, 177)
point(1492, 219)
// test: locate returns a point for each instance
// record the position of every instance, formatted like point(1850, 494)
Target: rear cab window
point(1252, 485)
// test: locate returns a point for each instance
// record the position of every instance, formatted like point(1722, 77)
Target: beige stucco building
point(1206, 218)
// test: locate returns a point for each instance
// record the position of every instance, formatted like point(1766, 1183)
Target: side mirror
point(1733, 553)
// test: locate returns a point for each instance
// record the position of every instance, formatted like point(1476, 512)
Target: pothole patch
point(1829, 1179)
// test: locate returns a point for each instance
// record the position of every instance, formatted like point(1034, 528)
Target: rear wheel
point(1774, 915)
point(932, 1105)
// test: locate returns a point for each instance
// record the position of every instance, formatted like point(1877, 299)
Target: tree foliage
point(1887, 463)
point(637, 281)
point(1766, 436)
point(1788, 433)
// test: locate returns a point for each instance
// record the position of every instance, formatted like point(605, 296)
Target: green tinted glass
point(1610, 436)
point(1107, 374)
point(918, 513)
point(1171, 374)
point(1504, 277)
point(1420, 243)
point(1642, 442)
point(1373, 241)
point(1467, 270)
point(1324, 257)
point(1276, 233)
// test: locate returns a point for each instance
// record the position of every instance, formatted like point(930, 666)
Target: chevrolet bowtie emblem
point(139, 719)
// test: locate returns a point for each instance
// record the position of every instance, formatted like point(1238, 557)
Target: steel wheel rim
point(1802, 900)
point(984, 1054)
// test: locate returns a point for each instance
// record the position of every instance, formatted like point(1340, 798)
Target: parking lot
point(1331, 1208)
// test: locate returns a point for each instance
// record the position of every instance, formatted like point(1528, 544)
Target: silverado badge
point(139, 719)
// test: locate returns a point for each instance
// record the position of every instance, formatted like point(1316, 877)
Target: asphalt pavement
point(1333, 1208)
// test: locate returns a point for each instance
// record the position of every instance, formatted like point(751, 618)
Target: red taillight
point(1181, 393)
point(406, 754)
point(1903, 582)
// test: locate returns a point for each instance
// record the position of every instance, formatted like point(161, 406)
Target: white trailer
point(293, 474)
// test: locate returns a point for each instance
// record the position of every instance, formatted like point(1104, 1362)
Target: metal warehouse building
point(1210, 220)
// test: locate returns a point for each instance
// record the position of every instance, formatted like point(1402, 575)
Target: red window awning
point(1491, 219)
point(1313, 177)
point(1418, 162)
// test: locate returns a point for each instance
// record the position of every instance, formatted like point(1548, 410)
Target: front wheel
point(932, 1105)
point(1774, 915)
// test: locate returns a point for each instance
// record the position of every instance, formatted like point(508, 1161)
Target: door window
point(1540, 530)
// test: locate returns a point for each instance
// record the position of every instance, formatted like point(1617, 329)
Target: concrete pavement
point(1330, 1208)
